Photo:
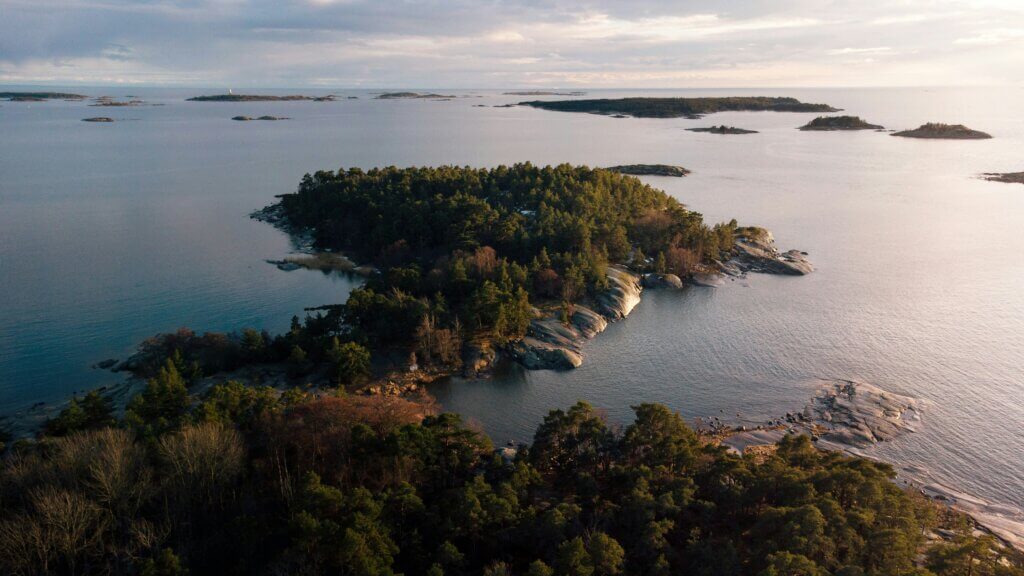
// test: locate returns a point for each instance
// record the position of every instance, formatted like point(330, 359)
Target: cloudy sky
point(512, 43)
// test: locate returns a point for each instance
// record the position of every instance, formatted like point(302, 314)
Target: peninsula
point(830, 123)
point(944, 132)
point(679, 107)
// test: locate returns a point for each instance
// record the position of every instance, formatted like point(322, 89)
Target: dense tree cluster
point(468, 250)
point(318, 343)
point(247, 481)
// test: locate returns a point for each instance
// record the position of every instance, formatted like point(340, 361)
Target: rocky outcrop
point(650, 170)
point(477, 359)
point(551, 344)
point(849, 413)
point(755, 251)
point(622, 295)
point(830, 123)
point(669, 281)
point(843, 415)
point(944, 131)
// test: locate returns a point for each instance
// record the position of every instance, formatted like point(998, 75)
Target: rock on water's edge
point(843, 415)
point(550, 344)
point(755, 251)
point(669, 281)
point(849, 413)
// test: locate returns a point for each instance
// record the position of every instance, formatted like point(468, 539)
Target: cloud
point(991, 37)
point(846, 51)
point(488, 43)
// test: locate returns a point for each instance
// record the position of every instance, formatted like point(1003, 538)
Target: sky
point(512, 43)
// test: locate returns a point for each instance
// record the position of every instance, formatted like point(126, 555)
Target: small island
point(832, 123)
point(1008, 177)
point(39, 96)
point(650, 170)
point(411, 96)
point(692, 108)
point(250, 118)
point(938, 131)
point(723, 129)
point(98, 119)
point(258, 98)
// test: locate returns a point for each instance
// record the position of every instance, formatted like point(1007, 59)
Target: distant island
point(258, 98)
point(39, 96)
point(829, 123)
point(109, 101)
point(250, 118)
point(679, 107)
point(722, 130)
point(410, 96)
point(650, 170)
point(98, 119)
point(1008, 177)
point(542, 93)
point(944, 131)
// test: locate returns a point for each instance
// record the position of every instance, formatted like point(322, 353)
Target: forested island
point(1008, 177)
point(39, 96)
point(679, 107)
point(650, 170)
point(829, 123)
point(723, 129)
point(258, 98)
point(411, 96)
point(944, 131)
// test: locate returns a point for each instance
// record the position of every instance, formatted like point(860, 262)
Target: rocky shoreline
point(851, 417)
point(551, 344)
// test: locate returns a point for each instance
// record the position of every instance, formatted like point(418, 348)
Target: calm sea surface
point(110, 233)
